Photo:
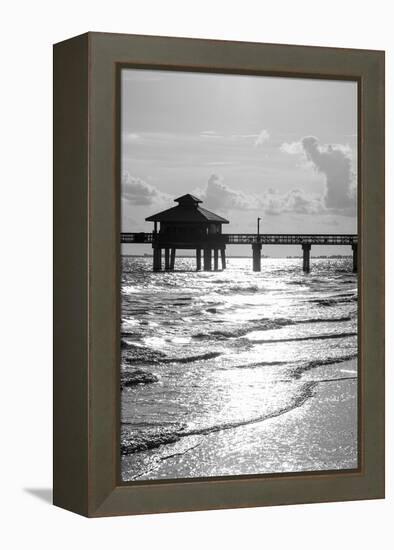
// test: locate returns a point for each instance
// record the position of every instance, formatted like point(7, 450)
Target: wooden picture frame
point(86, 274)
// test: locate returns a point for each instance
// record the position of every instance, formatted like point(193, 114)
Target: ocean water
point(235, 372)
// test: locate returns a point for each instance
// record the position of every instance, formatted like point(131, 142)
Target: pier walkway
point(213, 243)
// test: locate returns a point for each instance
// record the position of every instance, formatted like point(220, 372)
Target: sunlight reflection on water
point(238, 353)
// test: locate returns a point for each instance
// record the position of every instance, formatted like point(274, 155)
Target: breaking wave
point(136, 377)
point(305, 338)
point(265, 324)
point(143, 355)
point(135, 441)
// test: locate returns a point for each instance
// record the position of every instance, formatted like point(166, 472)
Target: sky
point(283, 149)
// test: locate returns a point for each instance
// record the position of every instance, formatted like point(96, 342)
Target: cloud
point(218, 196)
point(294, 148)
point(335, 163)
point(210, 134)
point(262, 137)
point(294, 201)
point(139, 192)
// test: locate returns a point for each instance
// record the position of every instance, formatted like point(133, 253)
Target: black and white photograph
point(239, 275)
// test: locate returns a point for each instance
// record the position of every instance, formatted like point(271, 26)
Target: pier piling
point(256, 248)
point(157, 258)
point(216, 259)
point(172, 260)
point(207, 259)
point(208, 245)
point(167, 259)
point(223, 256)
point(306, 255)
point(355, 257)
point(198, 259)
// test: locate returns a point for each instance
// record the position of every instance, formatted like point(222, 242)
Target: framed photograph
point(219, 274)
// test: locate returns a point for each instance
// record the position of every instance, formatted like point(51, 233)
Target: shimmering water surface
point(236, 372)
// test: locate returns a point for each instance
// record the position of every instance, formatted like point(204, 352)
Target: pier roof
point(189, 211)
point(188, 199)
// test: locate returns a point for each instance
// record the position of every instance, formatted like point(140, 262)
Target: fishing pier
point(188, 226)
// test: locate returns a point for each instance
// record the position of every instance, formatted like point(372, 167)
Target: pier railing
point(138, 238)
point(253, 238)
point(217, 242)
point(249, 238)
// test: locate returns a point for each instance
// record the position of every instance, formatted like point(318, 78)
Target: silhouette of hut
point(188, 226)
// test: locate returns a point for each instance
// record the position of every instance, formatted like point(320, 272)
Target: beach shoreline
point(318, 435)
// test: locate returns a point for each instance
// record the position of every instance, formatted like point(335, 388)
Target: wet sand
point(325, 425)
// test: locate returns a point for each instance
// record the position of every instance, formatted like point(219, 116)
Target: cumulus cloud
point(335, 163)
point(262, 138)
point(219, 196)
point(139, 192)
point(294, 201)
point(294, 148)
